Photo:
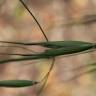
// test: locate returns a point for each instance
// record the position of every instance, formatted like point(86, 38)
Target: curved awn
point(53, 61)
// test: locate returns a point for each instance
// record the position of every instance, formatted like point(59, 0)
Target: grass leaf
point(68, 50)
point(68, 47)
point(17, 83)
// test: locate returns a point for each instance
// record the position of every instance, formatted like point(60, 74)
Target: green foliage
point(54, 49)
point(57, 48)
point(17, 83)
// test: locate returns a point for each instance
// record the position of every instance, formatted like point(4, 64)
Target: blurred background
point(61, 20)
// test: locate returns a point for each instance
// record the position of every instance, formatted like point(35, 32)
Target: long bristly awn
point(54, 49)
point(46, 76)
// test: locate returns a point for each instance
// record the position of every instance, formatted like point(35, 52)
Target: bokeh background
point(61, 20)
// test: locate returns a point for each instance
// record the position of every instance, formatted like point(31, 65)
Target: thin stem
point(34, 19)
point(16, 54)
point(46, 77)
point(81, 74)
point(21, 48)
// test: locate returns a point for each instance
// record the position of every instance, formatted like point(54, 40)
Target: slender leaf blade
point(68, 50)
point(17, 83)
point(51, 44)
